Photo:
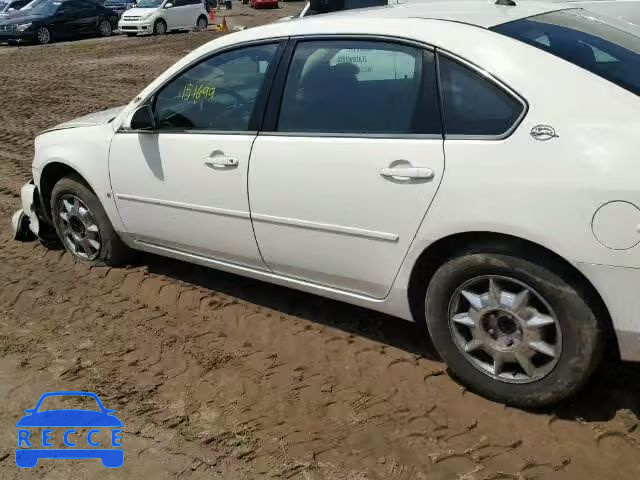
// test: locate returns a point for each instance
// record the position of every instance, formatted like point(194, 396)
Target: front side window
point(46, 8)
point(217, 94)
point(353, 86)
point(473, 105)
point(584, 39)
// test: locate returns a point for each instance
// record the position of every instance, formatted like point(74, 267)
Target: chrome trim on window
point(493, 79)
point(380, 136)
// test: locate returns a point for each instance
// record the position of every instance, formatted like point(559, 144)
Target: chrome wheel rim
point(505, 329)
point(105, 28)
point(78, 228)
point(160, 29)
point(44, 36)
point(202, 24)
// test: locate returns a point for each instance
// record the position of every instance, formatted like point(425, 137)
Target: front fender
point(85, 151)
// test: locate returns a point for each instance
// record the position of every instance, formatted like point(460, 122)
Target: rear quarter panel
point(544, 191)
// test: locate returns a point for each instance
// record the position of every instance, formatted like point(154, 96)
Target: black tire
point(112, 251)
point(105, 29)
point(43, 36)
point(202, 23)
point(582, 334)
point(159, 27)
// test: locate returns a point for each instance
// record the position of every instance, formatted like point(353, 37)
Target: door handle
point(407, 172)
point(221, 160)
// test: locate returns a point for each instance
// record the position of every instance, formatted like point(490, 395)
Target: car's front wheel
point(512, 329)
point(83, 226)
point(159, 27)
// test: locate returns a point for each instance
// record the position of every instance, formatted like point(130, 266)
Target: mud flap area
point(20, 226)
point(29, 223)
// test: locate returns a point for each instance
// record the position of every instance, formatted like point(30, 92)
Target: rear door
point(348, 163)
point(79, 18)
point(192, 11)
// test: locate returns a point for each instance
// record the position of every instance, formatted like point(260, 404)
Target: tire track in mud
point(222, 381)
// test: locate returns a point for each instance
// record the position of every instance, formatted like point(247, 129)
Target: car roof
point(481, 13)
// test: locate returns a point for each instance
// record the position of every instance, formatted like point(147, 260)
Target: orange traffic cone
point(212, 15)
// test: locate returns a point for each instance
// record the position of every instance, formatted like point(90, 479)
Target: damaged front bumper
point(26, 222)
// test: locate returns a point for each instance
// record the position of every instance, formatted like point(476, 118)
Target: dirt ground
point(217, 376)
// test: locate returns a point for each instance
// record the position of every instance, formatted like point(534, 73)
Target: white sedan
point(476, 167)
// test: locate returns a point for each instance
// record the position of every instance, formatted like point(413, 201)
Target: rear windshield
point(584, 39)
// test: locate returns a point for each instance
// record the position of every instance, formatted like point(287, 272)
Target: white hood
point(96, 118)
point(138, 12)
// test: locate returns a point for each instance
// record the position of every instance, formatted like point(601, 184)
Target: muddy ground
point(217, 376)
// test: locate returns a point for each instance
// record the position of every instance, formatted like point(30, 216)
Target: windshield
point(584, 39)
point(32, 4)
point(45, 8)
point(69, 402)
point(149, 3)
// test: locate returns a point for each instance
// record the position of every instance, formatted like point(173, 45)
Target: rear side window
point(359, 86)
point(473, 105)
point(584, 39)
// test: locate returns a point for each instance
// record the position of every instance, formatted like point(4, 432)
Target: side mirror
point(142, 119)
point(29, 410)
point(11, 10)
point(168, 5)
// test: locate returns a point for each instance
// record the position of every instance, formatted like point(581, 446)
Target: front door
point(184, 185)
point(341, 181)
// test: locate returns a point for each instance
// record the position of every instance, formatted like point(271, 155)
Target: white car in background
point(158, 17)
point(477, 167)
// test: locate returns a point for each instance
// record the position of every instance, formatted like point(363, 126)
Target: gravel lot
point(216, 376)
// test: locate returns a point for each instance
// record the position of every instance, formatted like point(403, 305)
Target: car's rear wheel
point(104, 28)
point(512, 329)
point(83, 226)
point(202, 23)
point(43, 35)
point(159, 27)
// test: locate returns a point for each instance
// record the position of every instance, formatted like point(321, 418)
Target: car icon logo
point(69, 422)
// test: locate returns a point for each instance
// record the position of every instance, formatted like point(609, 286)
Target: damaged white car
point(472, 167)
